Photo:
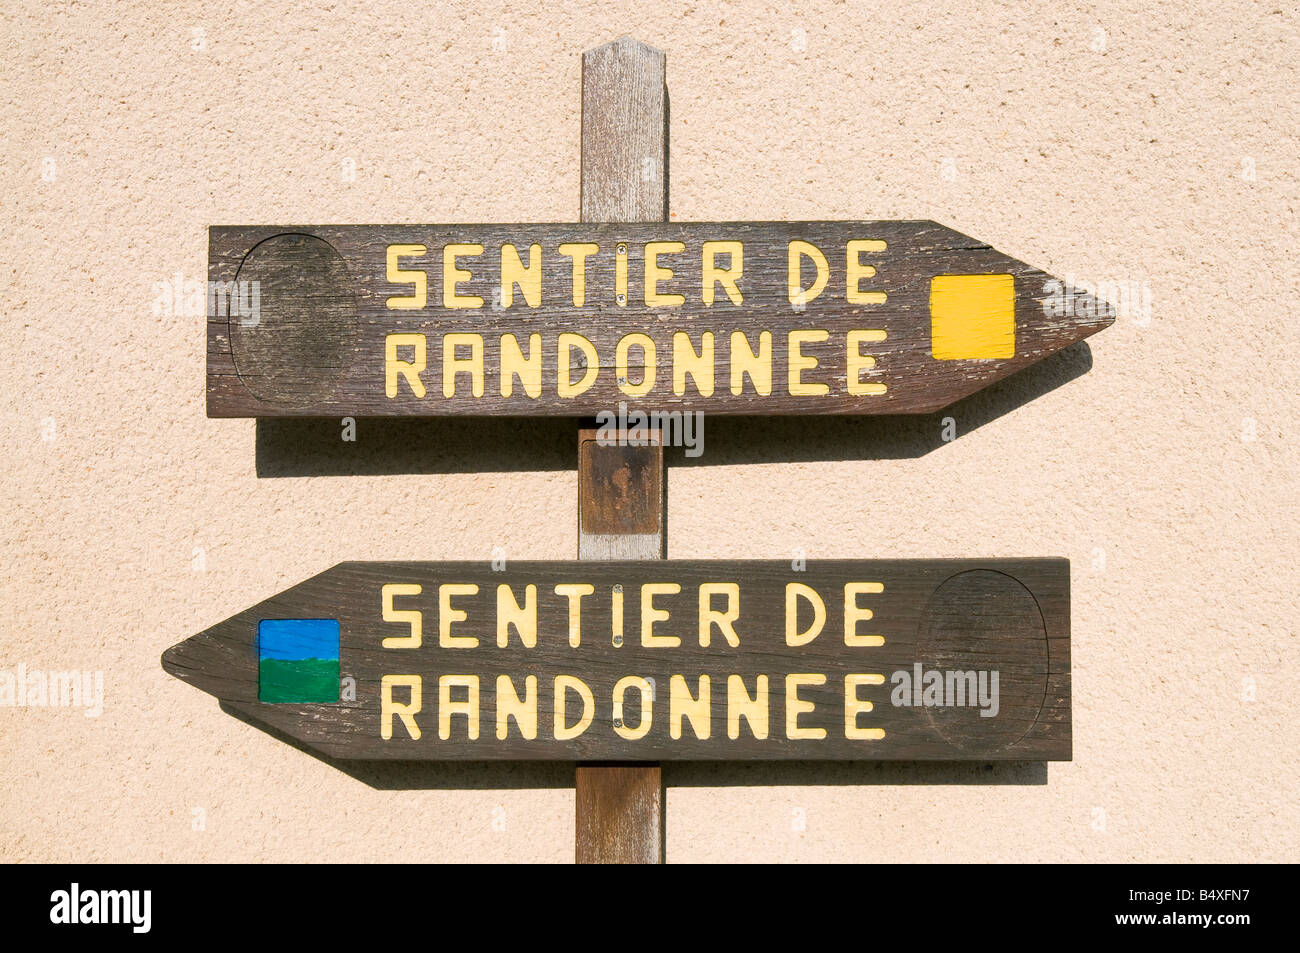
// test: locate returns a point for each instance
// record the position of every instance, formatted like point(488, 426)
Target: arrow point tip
point(171, 660)
point(1090, 312)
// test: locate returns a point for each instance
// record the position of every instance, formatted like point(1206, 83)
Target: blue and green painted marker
point(298, 660)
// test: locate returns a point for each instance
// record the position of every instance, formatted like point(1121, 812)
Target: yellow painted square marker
point(972, 317)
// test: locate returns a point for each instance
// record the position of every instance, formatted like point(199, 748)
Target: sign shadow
point(383, 446)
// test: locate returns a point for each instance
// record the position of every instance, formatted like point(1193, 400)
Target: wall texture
point(1151, 145)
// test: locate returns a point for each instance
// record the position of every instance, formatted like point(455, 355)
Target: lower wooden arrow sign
point(655, 661)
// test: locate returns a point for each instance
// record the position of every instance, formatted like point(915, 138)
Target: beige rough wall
point(1147, 143)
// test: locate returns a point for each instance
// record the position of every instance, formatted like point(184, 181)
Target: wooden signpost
point(726, 318)
point(621, 661)
point(622, 488)
point(643, 661)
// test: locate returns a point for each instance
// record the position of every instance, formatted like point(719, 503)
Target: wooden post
point(621, 490)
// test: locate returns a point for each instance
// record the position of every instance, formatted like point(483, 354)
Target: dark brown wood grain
point(1008, 616)
point(621, 491)
point(317, 346)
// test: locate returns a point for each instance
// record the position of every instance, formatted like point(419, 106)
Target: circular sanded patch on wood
point(985, 621)
point(295, 351)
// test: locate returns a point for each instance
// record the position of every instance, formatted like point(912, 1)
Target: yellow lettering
point(528, 279)
point(796, 706)
point(579, 252)
point(415, 277)
point(799, 362)
point(856, 272)
point(694, 709)
point(563, 685)
point(574, 591)
point(699, 366)
point(859, 362)
point(453, 274)
point(740, 705)
point(853, 613)
point(523, 618)
point(447, 615)
point(564, 385)
point(395, 368)
point(727, 277)
point(622, 365)
point(616, 615)
point(655, 273)
point(412, 617)
point(405, 712)
point(453, 365)
point(795, 253)
point(853, 706)
point(650, 615)
point(620, 275)
point(794, 591)
point(514, 364)
point(724, 619)
point(510, 706)
point(757, 366)
point(468, 707)
point(621, 727)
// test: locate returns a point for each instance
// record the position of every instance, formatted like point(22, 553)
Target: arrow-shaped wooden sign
point(655, 661)
point(574, 319)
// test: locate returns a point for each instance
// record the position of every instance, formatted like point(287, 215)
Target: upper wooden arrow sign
point(656, 661)
point(574, 319)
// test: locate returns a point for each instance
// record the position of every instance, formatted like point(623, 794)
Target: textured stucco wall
point(1145, 143)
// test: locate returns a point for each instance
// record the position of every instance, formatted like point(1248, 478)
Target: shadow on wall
point(296, 447)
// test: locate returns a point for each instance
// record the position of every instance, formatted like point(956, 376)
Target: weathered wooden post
point(622, 505)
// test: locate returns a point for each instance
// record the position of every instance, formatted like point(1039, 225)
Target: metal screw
point(622, 299)
point(622, 248)
point(618, 722)
point(618, 641)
